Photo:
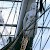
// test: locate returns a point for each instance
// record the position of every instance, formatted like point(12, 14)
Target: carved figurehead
point(28, 19)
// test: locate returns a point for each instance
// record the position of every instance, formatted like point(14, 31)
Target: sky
point(5, 13)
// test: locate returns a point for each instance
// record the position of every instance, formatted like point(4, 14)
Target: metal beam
point(44, 27)
point(9, 25)
point(11, 0)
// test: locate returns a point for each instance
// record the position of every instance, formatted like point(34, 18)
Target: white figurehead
point(28, 19)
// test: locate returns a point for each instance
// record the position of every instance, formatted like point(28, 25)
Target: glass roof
point(10, 13)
